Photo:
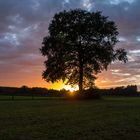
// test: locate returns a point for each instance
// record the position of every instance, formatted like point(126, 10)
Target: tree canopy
point(79, 45)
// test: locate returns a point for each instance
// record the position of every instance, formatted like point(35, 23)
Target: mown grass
point(115, 118)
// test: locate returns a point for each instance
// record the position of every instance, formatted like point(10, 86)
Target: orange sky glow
point(104, 80)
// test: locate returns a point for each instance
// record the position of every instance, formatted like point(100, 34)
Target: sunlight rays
point(70, 88)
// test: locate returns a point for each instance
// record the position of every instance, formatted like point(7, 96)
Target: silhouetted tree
point(80, 44)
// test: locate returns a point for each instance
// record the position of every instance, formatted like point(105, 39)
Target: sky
point(24, 23)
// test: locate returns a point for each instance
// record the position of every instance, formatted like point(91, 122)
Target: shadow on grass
point(29, 98)
point(85, 95)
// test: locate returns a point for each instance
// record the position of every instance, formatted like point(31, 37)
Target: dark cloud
point(24, 23)
point(125, 14)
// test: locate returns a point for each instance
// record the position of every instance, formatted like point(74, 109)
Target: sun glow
point(70, 88)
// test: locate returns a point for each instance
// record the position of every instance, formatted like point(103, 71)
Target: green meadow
point(111, 118)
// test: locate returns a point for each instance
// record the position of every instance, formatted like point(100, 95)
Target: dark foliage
point(130, 90)
point(35, 91)
point(80, 44)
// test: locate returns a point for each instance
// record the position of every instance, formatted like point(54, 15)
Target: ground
point(111, 118)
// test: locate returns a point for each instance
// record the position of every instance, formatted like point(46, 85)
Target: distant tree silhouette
point(80, 44)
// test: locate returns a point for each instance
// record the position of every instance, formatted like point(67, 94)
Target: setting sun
point(70, 88)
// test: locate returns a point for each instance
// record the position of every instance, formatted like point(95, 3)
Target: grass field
point(115, 118)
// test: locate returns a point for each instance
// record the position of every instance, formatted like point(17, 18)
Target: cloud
point(24, 24)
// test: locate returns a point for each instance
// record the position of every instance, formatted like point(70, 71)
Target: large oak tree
point(79, 45)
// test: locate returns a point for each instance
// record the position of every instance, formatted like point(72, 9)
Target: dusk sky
point(24, 23)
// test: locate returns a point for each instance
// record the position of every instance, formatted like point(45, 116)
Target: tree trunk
point(80, 52)
point(81, 78)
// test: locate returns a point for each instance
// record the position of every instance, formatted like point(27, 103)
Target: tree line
point(27, 91)
point(130, 90)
